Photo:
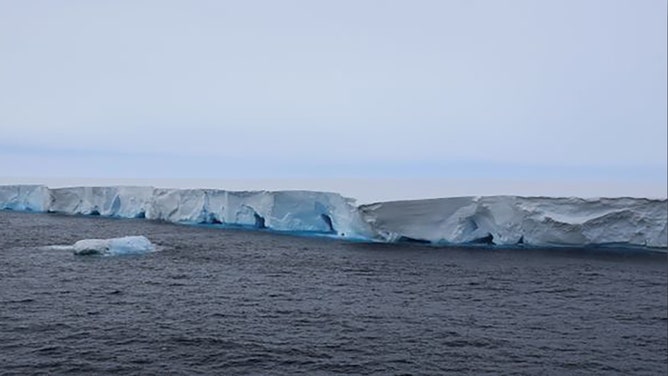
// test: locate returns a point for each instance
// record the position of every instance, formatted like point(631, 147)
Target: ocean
point(235, 302)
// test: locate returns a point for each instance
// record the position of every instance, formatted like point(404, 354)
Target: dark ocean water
point(236, 302)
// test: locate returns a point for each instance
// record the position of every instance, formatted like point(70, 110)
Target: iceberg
point(511, 221)
point(307, 212)
point(488, 220)
point(285, 211)
point(128, 245)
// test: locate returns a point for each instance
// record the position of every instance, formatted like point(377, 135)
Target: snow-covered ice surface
point(498, 220)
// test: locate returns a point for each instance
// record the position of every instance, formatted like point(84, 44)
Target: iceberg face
point(128, 245)
point(124, 202)
point(288, 211)
point(176, 205)
point(24, 197)
point(498, 220)
point(293, 211)
point(509, 220)
point(317, 212)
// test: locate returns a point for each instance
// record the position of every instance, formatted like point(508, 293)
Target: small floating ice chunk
point(128, 245)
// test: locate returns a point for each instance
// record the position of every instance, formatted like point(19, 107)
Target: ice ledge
point(492, 220)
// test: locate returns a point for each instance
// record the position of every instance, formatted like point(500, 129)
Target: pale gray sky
point(539, 90)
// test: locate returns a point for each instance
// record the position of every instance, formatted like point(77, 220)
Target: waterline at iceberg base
point(488, 220)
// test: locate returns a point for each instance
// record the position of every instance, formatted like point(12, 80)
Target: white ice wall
point(294, 211)
point(24, 197)
point(510, 220)
point(125, 202)
point(502, 220)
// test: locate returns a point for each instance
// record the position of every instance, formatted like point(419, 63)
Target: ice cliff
point(510, 220)
point(25, 197)
point(290, 211)
point(499, 220)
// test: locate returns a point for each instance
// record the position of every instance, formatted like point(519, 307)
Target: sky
point(547, 93)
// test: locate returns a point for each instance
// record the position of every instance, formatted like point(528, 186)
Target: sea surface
point(234, 302)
